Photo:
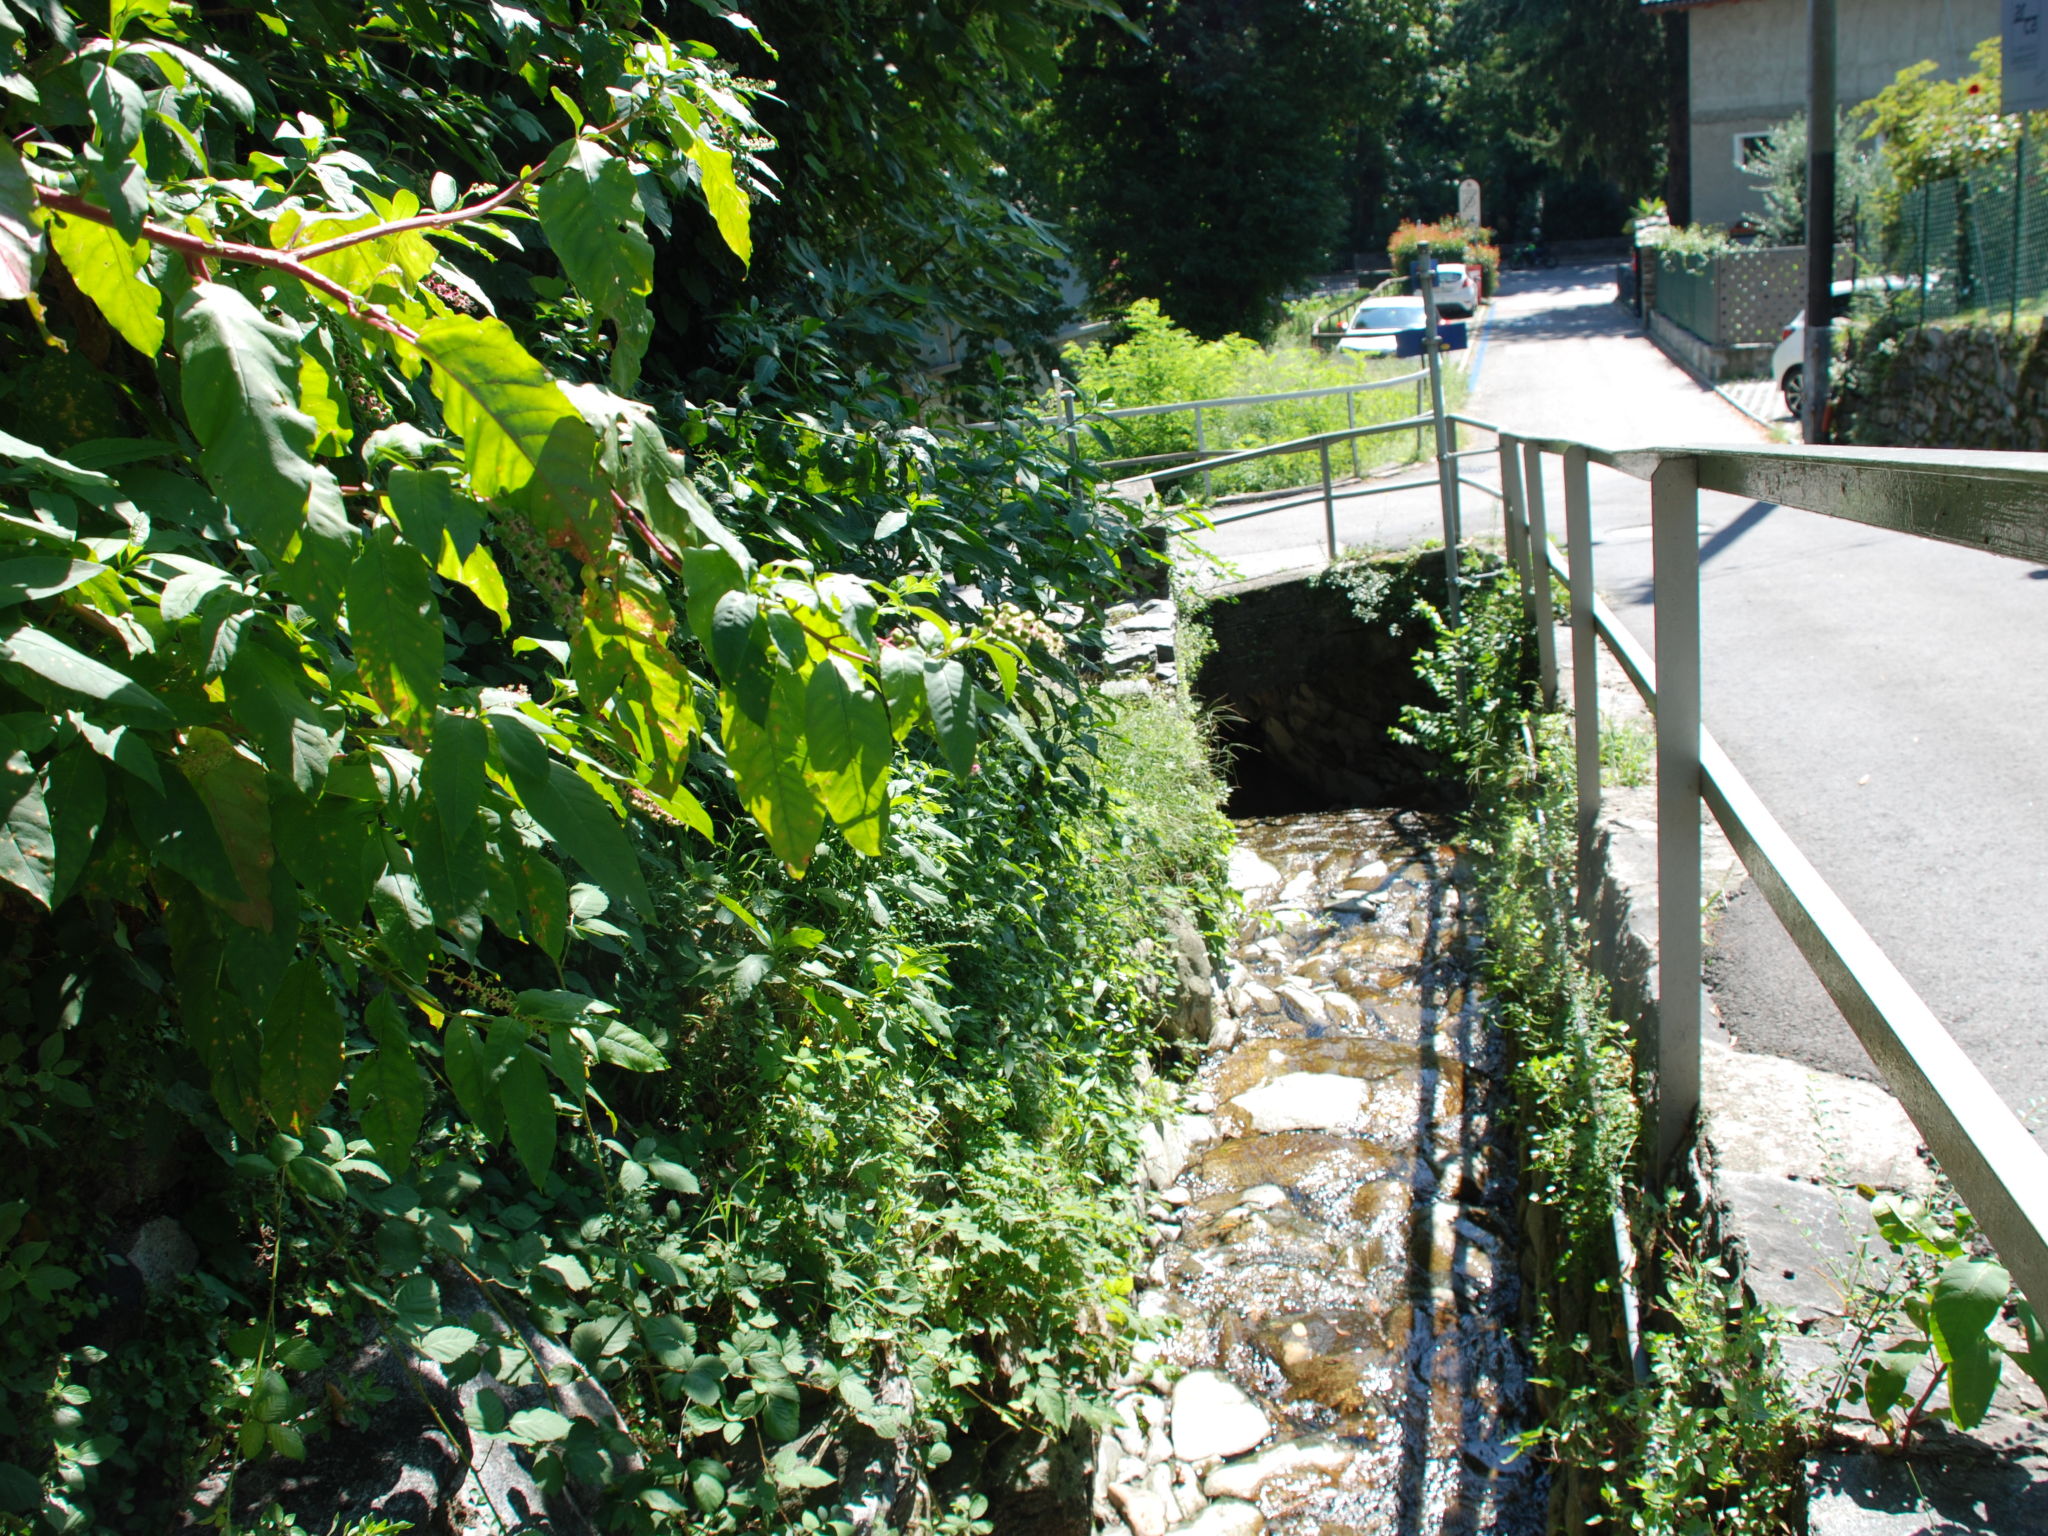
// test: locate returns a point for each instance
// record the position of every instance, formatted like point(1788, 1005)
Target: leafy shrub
point(1712, 1441)
point(1159, 363)
point(494, 842)
point(1448, 241)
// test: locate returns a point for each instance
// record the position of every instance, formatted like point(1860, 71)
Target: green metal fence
point(1976, 246)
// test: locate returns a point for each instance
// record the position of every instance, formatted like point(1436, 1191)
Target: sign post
point(1468, 201)
point(1446, 466)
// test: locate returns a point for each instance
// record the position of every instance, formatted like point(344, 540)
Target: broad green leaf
point(543, 899)
point(847, 728)
point(73, 672)
point(769, 764)
point(903, 688)
point(237, 800)
point(479, 573)
point(38, 576)
point(621, 1045)
point(392, 262)
point(178, 832)
point(590, 212)
point(405, 920)
point(782, 1414)
point(601, 1337)
point(395, 629)
point(20, 246)
point(1965, 1300)
point(470, 1068)
point(1887, 1375)
point(446, 1344)
point(28, 848)
point(240, 386)
point(455, 770)
point(722, 194)
point(499, 400)
point(539, 1426)
point(118, 107)
point(529, 1112)
point(331, 846)
point(568, 499)
point(572, 814)
point(387, 1090)
point(110, 271)
point(947, 696)
point(269, 695)
point(41, 459)
point(2034, 1358)
point(421, 502)
point(223, 88)
point(75, 796)
point(324, 404)
point(302, 1041)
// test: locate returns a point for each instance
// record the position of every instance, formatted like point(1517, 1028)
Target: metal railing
point(1996, 502)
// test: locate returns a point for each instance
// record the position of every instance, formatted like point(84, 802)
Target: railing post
point(1066, 394)
point(1511, 508)
point(1202, 447)
point(1351, 421)
point(1539, 572)
point(1329, 505)
point(1675, 574)
point(1418, 412)
point(1578, 533)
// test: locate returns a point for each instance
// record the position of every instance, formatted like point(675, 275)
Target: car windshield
point(1387, 317)
point(1449, 272)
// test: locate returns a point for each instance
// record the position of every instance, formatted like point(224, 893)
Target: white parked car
point(1457, 288)
point(1788, 361)
point(1376, 323)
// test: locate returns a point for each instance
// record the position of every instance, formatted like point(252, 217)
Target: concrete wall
point(1749, 73)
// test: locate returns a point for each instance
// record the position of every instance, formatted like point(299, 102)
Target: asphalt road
point(1887, 696)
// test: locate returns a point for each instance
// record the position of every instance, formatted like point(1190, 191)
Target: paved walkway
point(1887, 696)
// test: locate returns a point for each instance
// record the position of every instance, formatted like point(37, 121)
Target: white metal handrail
point(1990, 501)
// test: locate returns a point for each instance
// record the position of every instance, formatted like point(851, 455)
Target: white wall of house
point(1749, 72)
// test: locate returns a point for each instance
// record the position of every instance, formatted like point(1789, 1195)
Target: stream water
point(1343, 1264)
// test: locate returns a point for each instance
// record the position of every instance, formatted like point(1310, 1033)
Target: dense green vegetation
point(539, 793)
point(1158, 363)
point(1709, 1439)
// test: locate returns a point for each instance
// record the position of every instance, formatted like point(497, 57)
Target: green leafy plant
point(1933, 1310)
point(523, 820)
point(1711, 1441)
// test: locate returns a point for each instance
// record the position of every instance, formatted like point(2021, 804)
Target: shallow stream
point(1342, 1259)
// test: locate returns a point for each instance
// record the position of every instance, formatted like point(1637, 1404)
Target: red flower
point(1975, 89)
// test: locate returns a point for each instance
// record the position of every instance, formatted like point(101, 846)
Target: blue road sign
point(1451, 335)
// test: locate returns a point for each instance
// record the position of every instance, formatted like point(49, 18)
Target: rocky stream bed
point(1335, 1219)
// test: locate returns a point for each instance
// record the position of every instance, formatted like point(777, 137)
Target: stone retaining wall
point(1946, 387)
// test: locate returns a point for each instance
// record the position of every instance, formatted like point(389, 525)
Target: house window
point(1750, 149)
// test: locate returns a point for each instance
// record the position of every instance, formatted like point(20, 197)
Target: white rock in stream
point(1249, 872)
point(1263, 1197)
point(1226, 1517)
point(1304, 1101)
point(1244, 1479)
point(1143, 1510)
point(1212, 1417)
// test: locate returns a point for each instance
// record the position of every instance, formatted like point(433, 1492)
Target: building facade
point(1747, 72)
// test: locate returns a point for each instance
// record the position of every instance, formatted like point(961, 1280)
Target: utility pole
point(1820, 217)
point(1446, 434)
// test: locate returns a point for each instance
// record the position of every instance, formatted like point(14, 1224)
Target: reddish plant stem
point(198, 248)
point(477, 210)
